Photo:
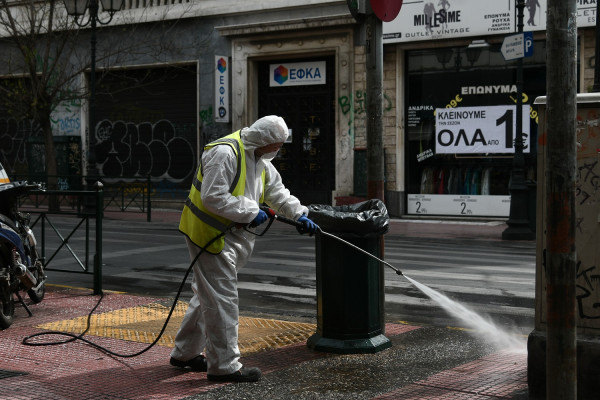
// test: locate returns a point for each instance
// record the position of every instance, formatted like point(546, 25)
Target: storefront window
point(461, 126)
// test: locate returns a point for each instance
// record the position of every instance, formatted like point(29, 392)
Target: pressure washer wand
point(283, 219)
point(398, 272)
point(289, 221)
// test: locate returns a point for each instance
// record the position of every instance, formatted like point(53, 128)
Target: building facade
point(174, 76)
point(456, 91)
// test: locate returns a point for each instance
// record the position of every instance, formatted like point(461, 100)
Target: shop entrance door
point(307, 162)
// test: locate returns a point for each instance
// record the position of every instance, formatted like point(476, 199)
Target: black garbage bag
point(367, 219)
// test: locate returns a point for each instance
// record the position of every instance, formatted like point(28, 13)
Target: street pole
point(99, 199)
point(561, 175)
point(374, 66)
point(77, 9)
point(596, 87)
point(518, 220)
point(91, 173)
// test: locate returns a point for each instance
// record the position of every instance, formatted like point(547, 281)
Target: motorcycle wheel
point(7, 308)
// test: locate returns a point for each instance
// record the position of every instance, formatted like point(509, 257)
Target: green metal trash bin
point(350, 284)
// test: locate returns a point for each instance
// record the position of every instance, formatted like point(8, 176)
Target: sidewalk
point(424, 362)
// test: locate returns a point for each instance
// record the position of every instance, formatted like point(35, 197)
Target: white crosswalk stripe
point(488, 277)
point(475, 273)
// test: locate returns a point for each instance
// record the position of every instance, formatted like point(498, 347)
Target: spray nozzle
point(274, 215)
point(270, 212)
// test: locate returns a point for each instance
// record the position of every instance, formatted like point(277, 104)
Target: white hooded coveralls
point(211, 320)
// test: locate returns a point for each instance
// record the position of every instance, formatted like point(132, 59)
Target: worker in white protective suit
point(234, 178)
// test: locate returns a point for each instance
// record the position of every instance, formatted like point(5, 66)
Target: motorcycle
point(21, 268)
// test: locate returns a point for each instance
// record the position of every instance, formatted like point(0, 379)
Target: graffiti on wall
point(587, 199)
point(357, 103)
point(23, 153)
point(206, 116)
point(66, 119)
point(588, 273)
point(14, 135)
point(140, 149)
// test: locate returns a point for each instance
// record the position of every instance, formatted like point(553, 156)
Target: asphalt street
point(495, 278)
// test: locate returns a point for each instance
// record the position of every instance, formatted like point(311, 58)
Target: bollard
point(98, 256)
point(148, 191)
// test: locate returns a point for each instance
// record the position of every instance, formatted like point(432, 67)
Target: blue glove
point(259, 219)
point(307, 226)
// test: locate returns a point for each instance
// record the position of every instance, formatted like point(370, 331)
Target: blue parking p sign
point(528, 44)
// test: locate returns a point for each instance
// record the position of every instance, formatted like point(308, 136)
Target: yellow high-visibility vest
point(201, 225)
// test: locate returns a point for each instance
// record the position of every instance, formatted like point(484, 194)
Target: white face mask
point(269, 156)
point(266, 158)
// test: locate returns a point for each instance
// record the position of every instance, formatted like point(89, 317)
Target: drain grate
point(9, 374)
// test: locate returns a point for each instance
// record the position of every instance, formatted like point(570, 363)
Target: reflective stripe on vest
point(201, 225)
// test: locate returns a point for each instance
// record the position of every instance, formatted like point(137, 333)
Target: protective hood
point(267, 130)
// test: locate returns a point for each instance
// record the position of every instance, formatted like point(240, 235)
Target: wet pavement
point(424, 362)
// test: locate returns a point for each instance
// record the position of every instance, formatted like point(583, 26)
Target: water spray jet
point(482, 327)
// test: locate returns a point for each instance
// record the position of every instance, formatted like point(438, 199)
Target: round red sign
point(386, 10)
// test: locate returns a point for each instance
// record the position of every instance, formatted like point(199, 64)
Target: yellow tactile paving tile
point(143, 324)
point(256, 334)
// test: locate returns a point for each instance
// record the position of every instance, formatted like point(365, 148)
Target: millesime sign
point(450, 19)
